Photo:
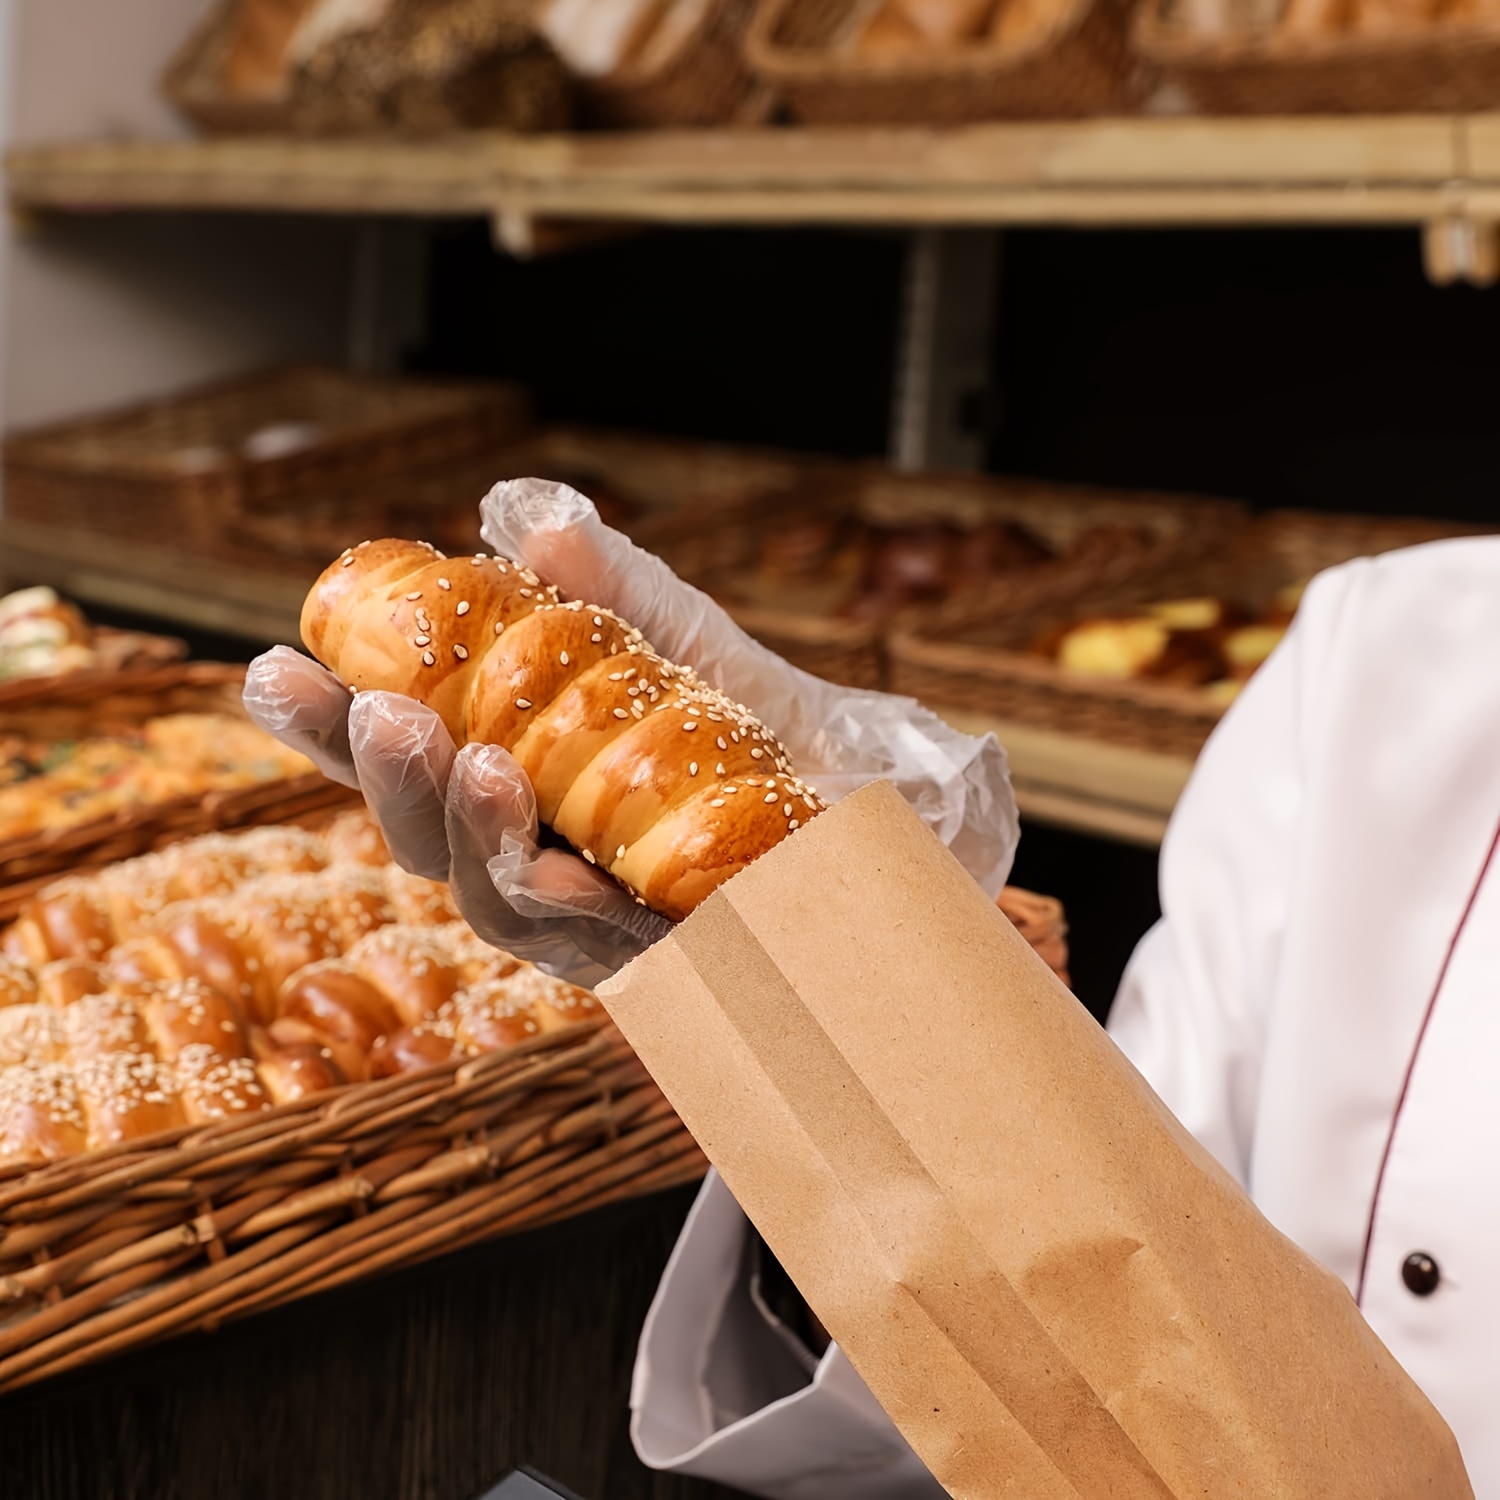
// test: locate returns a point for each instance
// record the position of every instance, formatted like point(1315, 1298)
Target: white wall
point(95, 311)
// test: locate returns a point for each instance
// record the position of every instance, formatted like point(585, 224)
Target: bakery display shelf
point(1087, 786)
point(260, 604)
point(1333, 170)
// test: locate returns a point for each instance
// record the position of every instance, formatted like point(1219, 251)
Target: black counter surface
point(427, 1385)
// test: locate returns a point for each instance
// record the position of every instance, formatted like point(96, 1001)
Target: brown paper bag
point(1051, 1288)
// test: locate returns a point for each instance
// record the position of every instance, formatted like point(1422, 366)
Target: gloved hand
point(469, 815)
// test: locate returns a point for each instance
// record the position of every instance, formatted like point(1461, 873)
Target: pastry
point(665, 783)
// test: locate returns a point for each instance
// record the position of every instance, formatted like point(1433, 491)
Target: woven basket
point(1078, 64)
point(703, 81)
point(75, 708)
point(124, 1246)
point(678, 495)
point(1101, 537)
point(1441, 65)
point(416, 67)
point(116, 652)
point(171, 470)
point(980, 661)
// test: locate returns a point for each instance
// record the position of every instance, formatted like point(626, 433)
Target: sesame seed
point(428, 659)
point(526, 593)
point(415, 594)
point(734, 734)
point(421, 640)
point(596, 638)
point(523, 702)
point(616, 676)
point(690, 725)
point(621, 714)
point(772, 797)
point(499, 626)
point(756, 753)
point(719, 769)
point(477, 561)
point(588, 854)
point(598, 620)
point(786, 809)
point(722, 743)
point(563, 657)
point(717, 802)
point(620, 852)
point(349, 560)
point(692, 768)
point(793, 824)
point(463, 607)
point(461, 653)
point(444, 584)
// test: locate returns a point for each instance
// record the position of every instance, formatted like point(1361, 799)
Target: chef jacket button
point(1420, 1273)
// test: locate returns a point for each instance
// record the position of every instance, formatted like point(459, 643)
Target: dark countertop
point(427, 1385)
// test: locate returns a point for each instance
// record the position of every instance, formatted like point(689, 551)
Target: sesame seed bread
point(234, 972)
point(660, 780)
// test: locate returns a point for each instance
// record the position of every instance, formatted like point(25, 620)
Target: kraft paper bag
point(1050, 1287)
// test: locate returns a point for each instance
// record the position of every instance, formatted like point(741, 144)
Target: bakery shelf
point(1086, 786)
point(206, 594)
point(1336, 170)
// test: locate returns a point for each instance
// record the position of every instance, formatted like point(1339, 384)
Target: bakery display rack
point(1427, 170)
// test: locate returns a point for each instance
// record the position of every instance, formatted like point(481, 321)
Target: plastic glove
point(840, 738)
point(465, 816)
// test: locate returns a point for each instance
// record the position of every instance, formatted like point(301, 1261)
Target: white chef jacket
point(1320, 1005)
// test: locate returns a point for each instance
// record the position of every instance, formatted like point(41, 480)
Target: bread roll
point(660, 780)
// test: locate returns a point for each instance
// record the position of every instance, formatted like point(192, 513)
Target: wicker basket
point(1440, 65)
point(413, 67)
point(171, 470)
point(675, 496)
point(980, 661)
point(76, 707)
point(1078, 64)
point(702, 81)
point(1101, 538)
point(123, 1246)
point(116, 652)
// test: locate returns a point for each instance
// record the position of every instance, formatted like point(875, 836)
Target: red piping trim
point(1411, 1064)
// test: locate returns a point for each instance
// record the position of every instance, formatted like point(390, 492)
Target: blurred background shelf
point(1061, 781)
point(1344, 170)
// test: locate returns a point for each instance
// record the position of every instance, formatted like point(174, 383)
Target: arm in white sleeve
point(724, 1391)
point(1193, 1007)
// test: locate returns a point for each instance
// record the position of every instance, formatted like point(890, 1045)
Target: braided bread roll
point(650, 774)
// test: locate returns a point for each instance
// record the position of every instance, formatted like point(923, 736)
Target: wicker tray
point(981, 662)
point(1440, 65)
point(703, 80)
point(1078, 64)
point(75, 708)
point(1134, 533)
point(124, 1246)
point(674, 493)
point(410, 68)
point(115, 652)
point(172, 469)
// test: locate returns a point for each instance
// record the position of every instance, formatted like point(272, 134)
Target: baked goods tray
point(173, 469)
point(984, 660)
point(1096, 538)
point(1064, 58)
point(116, 654)
point(1427, 63)
point(124, 1246)
point(77, 706)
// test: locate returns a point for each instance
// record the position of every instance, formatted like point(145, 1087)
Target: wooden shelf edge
point(1337, 170)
